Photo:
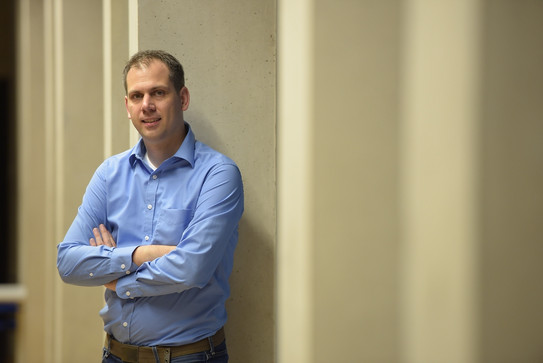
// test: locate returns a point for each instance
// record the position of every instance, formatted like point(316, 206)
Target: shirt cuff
point(126, 287)
point(121, 260)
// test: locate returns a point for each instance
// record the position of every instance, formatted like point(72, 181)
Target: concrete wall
point(228, 51)
point(72, 54)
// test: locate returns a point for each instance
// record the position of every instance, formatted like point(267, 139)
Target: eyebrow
point(155, 88)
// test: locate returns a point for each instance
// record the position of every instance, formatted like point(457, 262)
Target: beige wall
point(338, 224)
point(32, 194)
point(60, 143)
point(355, 177)
point(71, 55)
point(409, 162)
point(228, 51)
point(511, 157)
point(409, 181)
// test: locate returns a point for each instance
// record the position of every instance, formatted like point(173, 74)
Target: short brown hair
point(145, 57)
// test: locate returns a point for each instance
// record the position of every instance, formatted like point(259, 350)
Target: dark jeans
point(220, 355)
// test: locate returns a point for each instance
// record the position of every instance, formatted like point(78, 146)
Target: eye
point(160, 93)
point(135, 96)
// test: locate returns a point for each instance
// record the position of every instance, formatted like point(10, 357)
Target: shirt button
point(128, 293)
point(155, 176)
point(147, 238)
point(128, 272)
point(123, 266)
point(125, 324)
point(91, 274)
point(149, 206)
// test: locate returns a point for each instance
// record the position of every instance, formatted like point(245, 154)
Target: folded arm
point(79, 262)
point(102, 237)
point(207, 242)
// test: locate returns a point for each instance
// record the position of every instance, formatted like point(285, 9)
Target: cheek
point(133, 111)
point(135, 121)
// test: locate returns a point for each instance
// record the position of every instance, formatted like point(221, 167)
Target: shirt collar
point(185, 151)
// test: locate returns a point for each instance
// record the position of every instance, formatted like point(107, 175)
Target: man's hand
point(102, 237)
point(111, 285)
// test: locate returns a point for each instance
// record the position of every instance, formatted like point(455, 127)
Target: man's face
point(155, 108)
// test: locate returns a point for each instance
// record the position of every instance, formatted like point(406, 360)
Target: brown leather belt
point(142, 354)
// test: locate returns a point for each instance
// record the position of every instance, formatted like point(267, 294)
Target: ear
point(126, 105)
point(184, 95)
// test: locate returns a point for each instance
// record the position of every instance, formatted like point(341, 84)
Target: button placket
point(151, 189)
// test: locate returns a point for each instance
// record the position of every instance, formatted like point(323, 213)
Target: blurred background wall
point(410, 172)
point(405, 142)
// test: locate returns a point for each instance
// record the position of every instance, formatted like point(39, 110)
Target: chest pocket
point(171, 224)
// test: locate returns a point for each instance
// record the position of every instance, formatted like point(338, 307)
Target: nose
point(147, 103)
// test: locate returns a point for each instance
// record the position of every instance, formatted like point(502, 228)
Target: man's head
point(145, 57)
point(155, 102)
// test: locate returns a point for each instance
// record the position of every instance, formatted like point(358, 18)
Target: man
point(158, 228)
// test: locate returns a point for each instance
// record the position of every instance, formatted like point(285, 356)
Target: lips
point(151, 120)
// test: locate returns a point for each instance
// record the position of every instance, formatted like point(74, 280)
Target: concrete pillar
point(60, 144)
point(409, 165)
point(511, 198)
point(228, 51)
point(338, 222)
point(439, 180)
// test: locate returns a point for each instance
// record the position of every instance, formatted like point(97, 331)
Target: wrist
point(148, 253)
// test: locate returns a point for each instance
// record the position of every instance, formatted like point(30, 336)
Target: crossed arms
point(204, 238)
point(147, 253)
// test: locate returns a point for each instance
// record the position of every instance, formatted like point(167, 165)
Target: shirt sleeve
point(210, 234)
point(78, 262)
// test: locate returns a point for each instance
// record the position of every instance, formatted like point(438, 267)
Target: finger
point(97, 237)
point(92, 242)
point(106, 236)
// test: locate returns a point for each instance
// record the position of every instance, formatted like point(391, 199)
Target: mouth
point(151, 120)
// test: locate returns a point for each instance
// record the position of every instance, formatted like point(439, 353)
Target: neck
point(159, 152)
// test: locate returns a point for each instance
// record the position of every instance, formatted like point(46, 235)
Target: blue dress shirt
point(194, 200)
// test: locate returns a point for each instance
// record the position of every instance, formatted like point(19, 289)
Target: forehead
point(144, 76)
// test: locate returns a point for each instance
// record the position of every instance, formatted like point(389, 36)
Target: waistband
point(143, 354)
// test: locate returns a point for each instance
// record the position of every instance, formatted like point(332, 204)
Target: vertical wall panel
point(295, 164)
point(34, 270)
point(119, 54)
point(133, 47)
point(338, 191)
point(228, 51)
point(60, 143)
point(355, 190)
point(511, 196)
point(440, 124)
point(79, 142)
